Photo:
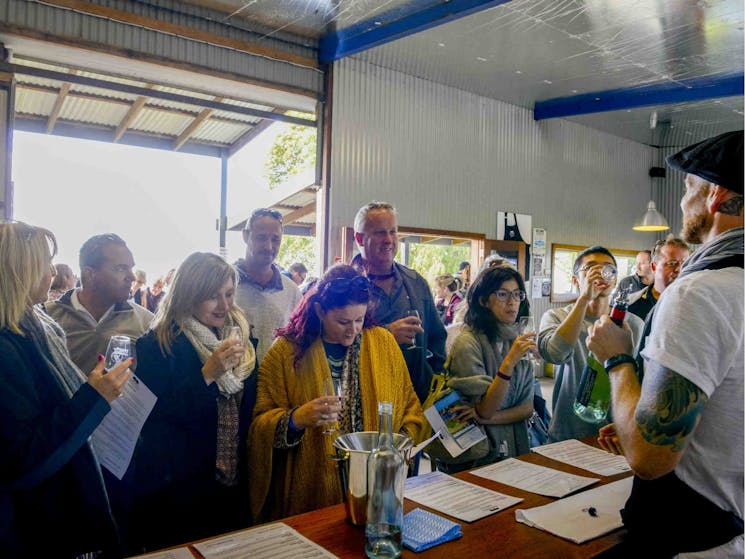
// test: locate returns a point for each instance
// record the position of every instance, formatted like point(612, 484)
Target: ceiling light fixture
point(652, 220)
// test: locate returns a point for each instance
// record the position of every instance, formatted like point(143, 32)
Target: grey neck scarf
point(50, 343)
point(725, 245)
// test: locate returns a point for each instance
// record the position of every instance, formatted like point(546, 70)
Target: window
point(562, 260)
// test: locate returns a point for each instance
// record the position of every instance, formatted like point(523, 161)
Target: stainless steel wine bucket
point(352, 451)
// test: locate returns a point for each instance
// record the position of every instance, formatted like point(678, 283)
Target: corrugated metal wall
point(449, 159)
point(64, 24)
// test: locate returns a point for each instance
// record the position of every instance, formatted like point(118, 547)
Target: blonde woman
point(188, 463)
point(446, 296)
point(53, 502)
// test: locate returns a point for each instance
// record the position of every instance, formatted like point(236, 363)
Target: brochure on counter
point(456, 436)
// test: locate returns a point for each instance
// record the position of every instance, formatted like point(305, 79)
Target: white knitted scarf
point(204, 341)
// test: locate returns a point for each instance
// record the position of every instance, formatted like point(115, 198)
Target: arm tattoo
point(669, 408)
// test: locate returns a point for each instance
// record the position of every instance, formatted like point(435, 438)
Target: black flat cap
point(717, 160)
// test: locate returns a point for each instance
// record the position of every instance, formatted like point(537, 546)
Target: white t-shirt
point(697, 331)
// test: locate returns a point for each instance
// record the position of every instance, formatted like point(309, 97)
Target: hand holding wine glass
point(527, 326)
point(332, 388)
point(119, 349)
point(414, 313)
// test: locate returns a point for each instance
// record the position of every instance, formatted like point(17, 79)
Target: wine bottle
point(593, 394)
point(385, 491)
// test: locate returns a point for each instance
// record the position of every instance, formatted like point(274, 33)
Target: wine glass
point(332, 387)
point(415, 313)
point(119, 349)
point(235, 332)
point(527, 324)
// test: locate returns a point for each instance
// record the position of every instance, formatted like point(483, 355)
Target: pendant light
point(652, 220)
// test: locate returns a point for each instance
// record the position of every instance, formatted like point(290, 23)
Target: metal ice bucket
point(352, 451)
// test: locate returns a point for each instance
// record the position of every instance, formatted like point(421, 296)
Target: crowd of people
point(239, 359)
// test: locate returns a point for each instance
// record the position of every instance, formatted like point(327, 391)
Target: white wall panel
point(450, 159)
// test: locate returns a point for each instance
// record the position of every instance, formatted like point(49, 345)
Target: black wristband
point(617, 360)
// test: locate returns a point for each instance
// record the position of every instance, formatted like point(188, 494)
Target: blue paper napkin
point(423, 529)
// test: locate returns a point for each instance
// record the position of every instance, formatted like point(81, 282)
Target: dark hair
point(340, 286)
point(487, 282)
point(91, 253)
point(298, 267)
point(463, 265)
point(597, 249)
point(262, 212)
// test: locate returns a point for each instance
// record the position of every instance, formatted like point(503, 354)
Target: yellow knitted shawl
point(303, 478)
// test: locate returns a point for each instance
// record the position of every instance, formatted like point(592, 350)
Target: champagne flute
point(332, 387)
point(119, 349)
point(527, 324)
point(415, 313)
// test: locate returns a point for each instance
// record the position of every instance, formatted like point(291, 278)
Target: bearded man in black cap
point(682, 429)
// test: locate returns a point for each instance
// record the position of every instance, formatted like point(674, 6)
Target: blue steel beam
point(667, 93)
point(413, 18)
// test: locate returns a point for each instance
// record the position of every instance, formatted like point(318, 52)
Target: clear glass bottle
point(385, 491)
point(593, 394)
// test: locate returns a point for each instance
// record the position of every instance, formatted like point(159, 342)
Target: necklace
point(380, 277)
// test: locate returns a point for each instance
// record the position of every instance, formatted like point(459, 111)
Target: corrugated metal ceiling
point(527, 51)
point(88, 111)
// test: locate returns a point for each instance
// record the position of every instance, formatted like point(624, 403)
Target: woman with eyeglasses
point(53, 501)
point(488, 367)
point(197, 359)
point(329, 336)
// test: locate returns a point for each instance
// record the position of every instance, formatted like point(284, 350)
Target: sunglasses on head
point(341, 286)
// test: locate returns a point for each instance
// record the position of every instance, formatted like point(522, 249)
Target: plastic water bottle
point(385, 491)
point(593, 395)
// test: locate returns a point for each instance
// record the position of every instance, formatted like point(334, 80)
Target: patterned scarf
point(350, 416)
point(724, 245)
point(230, 385)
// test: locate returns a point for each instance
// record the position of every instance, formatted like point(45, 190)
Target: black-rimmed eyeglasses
point(503, 295)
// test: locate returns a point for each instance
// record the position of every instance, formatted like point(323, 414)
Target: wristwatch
point(617, 360)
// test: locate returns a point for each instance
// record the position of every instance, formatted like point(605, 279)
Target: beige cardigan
point(303, 478)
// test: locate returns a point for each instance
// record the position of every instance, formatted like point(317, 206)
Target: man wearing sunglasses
point(667, 258)
point(264, 293)
point(398, 291)
point(562, 339)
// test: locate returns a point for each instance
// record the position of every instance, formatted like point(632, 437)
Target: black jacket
point(52, 498)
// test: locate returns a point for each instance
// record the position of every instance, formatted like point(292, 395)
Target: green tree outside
point(432, 260)
point(297, 248)
point(292, 152)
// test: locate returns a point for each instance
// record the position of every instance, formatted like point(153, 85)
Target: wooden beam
point(92, 9)
point(58, 102)
point(151, 107)
point(132, 113)
point(425, 240)
point(298, 213)
point(196, 123)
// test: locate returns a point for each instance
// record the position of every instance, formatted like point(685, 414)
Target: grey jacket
point(474, 363)
point(572, 359)
point(86, 340)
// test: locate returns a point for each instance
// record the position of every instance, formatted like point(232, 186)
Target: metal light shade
point(652, 220)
